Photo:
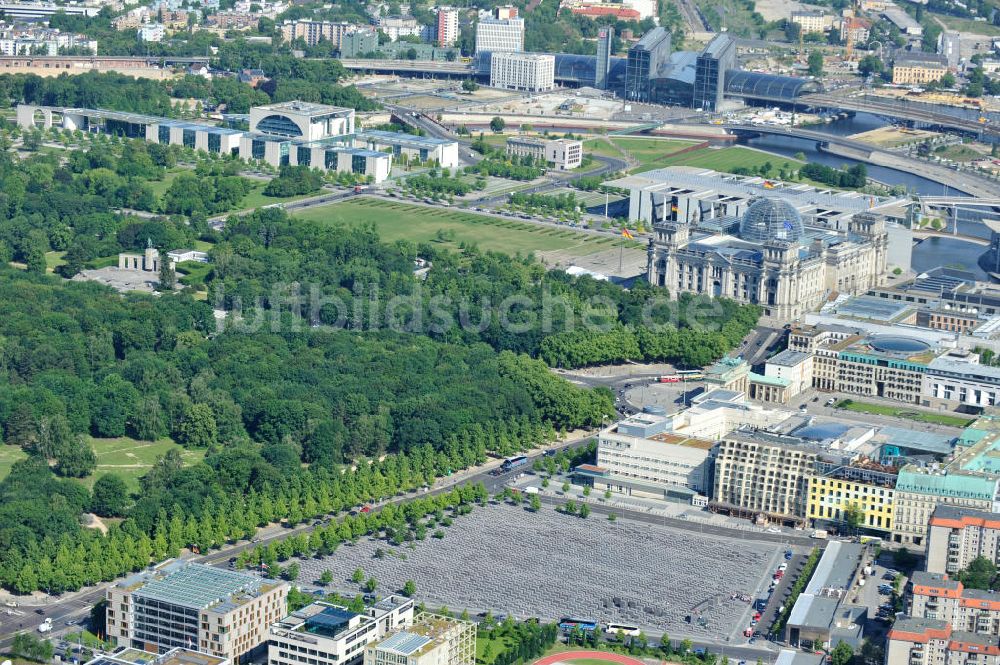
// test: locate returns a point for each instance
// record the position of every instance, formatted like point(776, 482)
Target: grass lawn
point(9, 455)
point(256, 198)
point(159, 187)
point(903, 412)
point(968, 25)
point(651, 153)
point(131, 459)
point(496, 647)
point(959, 153)
point(726, 159)
point(203, 245)
point(193, 273)
point(85, 637)
point(395, 220)
point(601, 146)
point(53, 260)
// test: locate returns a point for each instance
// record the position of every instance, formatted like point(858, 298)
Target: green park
point(395, 220)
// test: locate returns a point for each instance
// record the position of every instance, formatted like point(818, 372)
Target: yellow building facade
point(829, 498)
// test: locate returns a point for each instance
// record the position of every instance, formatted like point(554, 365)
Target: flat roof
point(958, 367)
point(404, 643)
point(789, 358)
point(872, 307)
point(938, 580)
point(198, 586)
point(305, 108)
point(176, 656)
point(682, 440)
point(813, 611)
point(403, 137)
point(702, 181)
point(796, 657)
point(769, 380)
point(836, 567)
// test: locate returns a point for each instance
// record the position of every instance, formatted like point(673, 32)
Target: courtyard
point(508, 560)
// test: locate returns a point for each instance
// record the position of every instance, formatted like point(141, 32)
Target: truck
point(45, 626)
point(819, 534)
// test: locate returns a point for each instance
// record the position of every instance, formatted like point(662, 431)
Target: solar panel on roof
point(198, 586)
point(405, 643)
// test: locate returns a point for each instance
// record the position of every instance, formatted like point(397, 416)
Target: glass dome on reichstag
point(771, 219)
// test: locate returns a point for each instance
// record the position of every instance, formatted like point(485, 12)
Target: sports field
point(587, 657)
point(395, 220)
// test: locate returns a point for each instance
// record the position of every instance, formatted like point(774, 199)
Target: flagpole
point(621, 250)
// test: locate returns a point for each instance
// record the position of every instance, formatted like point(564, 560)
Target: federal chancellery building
point(785, 246)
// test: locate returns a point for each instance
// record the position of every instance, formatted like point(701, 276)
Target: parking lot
point(508, 560)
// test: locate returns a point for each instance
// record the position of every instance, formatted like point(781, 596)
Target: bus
point(683, 375)
point(512, 463)
point(623, 628)
point(568, 625)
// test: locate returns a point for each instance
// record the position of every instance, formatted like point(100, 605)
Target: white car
point(783, 566)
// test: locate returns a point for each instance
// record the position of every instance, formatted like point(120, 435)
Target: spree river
point(928, 254)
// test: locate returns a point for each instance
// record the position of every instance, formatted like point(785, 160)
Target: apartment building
point(220, 612)
point(151, 32)
point(313, 32)
point(447, 26)
point(936, 596)
point(957, 536)
point(401, 26)
point(763, 475)
point(868, 491)
point(913, 641)
point(528, 72)
point(431, 640)
point(324, 634)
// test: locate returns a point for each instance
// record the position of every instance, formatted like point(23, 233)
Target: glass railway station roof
point(768, 86)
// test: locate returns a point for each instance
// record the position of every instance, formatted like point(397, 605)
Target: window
point(163, 134)
point(257, 149)
point(188, 138)
point(278, 124)
point(303, 156)
point(214, 142)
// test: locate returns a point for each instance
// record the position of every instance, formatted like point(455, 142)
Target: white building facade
point(499, 35)
point(527, 72)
